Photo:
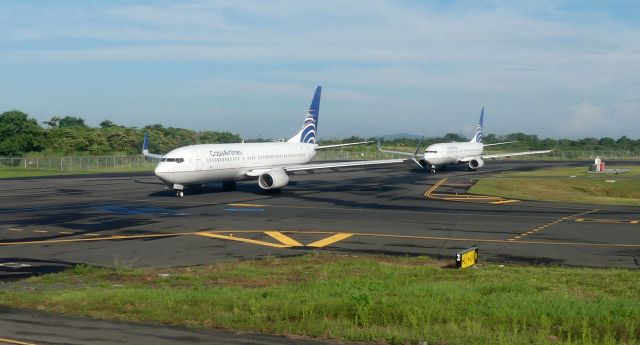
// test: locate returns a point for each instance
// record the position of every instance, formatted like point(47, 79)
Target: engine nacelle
point(423, 162)
point(476, 163)
point(273, 179)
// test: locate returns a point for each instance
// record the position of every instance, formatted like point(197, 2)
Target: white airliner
point(471, 153)
point(269, 163)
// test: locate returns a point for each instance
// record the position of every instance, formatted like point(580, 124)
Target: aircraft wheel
point(433, 171)
point(229, 185)
point(179, 193)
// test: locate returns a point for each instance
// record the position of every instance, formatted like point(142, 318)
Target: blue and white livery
point(471, 153)
point(269, 163)
point(478, 137)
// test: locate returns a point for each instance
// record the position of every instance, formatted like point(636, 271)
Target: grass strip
point(565, 185)
point(394, 300)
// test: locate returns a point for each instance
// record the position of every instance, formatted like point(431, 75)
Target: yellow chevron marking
point(284, 239)
point(329, 240)
point(230, 237)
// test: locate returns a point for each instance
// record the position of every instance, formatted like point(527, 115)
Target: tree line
point(66, 135)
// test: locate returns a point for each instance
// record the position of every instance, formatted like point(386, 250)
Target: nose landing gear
point(178, 188)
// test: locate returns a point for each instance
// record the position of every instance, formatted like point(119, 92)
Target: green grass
point(578, 172)
point(8, 172)
point(374, 298)
point(565, 185)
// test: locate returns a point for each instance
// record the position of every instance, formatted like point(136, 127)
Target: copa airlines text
point(269, 163)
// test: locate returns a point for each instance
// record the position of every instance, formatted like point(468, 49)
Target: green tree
point(108, 124)
point(19, 134)
point(71, 121)
point(53, 122)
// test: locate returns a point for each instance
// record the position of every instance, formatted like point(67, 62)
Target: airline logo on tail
point(310, 127)
point(478, 137)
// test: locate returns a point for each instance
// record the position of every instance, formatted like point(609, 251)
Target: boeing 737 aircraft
point(442, 154)
point(269, 163)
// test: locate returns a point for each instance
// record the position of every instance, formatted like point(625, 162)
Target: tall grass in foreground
point(384, 299)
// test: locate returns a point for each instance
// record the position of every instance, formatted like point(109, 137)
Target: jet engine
point(273, 179)
point(423, 163)
point(476, 163)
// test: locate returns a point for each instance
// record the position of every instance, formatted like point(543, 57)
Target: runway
point(49, 224)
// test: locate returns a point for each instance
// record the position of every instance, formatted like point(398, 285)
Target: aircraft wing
point(314, 166)
point(317, 166)
point(408, 154)
point(507, 155)
point(340, 145)
point(503, 143)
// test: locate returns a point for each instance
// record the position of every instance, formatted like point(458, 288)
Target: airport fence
point(79, 163)
point(138, 162)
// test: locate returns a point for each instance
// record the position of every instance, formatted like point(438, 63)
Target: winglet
point(418, 147)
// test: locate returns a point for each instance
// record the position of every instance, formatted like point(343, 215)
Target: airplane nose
point(161, 173)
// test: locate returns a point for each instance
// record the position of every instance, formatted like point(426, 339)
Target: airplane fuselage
point(201, 164)
point(451, 153)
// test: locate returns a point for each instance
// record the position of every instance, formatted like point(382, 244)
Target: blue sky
point(552, 68)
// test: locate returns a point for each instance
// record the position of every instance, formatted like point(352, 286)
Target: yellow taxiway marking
point(106, 238)
point(284, 239)
point(495, 200)
point(334, 237)
point(542, 227)
point(13, 341)
point(14, 229)
point(91, 234)
point(40, 231)
point(329, 240)
point(607, 221)
point(230, 237)
point(297, 207)
point(437, 185)
point(247, 205)
point(66, 232)
point(504, 201)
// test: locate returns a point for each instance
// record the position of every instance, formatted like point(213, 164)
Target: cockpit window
point(177, 160)
point(431, 151)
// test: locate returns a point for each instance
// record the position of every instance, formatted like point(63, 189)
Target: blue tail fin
point(145, 143)
point(478, 137)
point(310, 126)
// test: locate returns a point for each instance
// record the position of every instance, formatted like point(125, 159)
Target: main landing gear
point(179, 193)
point(229, 186)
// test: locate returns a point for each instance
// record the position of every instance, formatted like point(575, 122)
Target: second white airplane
point(471, 153)
point(269, 163)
